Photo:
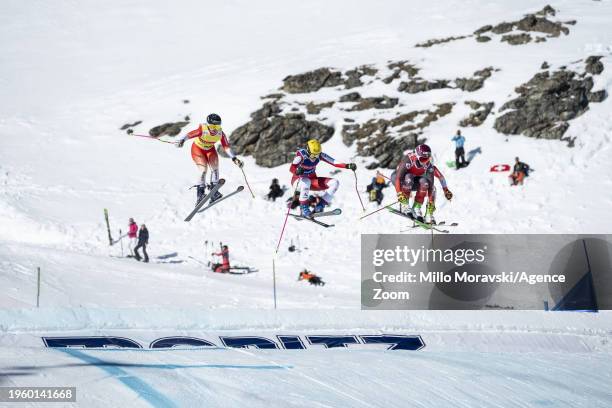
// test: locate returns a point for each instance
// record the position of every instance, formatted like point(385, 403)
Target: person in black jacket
point(275, 190)
point(519, 172)
point(143, 240)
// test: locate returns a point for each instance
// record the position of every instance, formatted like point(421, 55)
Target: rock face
point(417, 84)
point(546, 103)
point(516, 39)
point(170, 129)
point(435, 41)
point(130, 125)
point(421, 85)
point(353, 76)
point(381, 102)
point(536, 22)
point(311, 81)
point(383, 139)
point(272, 138)
point(316, 108)
point(480, 114)
point(397, 68)
point(594, 65)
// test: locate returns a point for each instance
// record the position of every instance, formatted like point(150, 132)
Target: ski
point(110, 238)
point(439, 224)
point(239, 189)
point(242, 270)
point(204, 199)
point(337, 211)
point(417, 222)
point(299, 217)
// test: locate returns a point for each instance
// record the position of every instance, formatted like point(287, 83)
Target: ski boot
point(305, 209)
point(217, 194)
point(201, 192)
point(416, 212)
point(405, 209)
point(429, 217)
point(320, 206)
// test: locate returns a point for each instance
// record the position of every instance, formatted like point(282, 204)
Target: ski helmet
point(423, 153)
point(213, 119)
point(314, 148)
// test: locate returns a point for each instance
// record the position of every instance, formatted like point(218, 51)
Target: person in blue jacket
point(459, 150)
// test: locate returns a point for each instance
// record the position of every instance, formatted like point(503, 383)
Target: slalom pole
point(247, 182)
point(357, 191)
point(152, 137)
point(380, 209)
point(297, 182)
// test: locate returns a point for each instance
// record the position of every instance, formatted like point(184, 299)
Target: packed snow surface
point(72, 73)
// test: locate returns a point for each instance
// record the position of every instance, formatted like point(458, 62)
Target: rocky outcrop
point(170, 129)
point(272, 138)
point(397, 67)
point(383, 138)
point(417, 85)
point(537, 22)
point(130, 125)
point(476, 82)
point(546, 103)
point(437, 41)
point(380, 102)
point(316, 108)
point(593, 65)
point(312, 81)
point(516, 39)
point(421, 85)
point(480, 114)
point(353, 76)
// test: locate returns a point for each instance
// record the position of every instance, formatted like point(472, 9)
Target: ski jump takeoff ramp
point(164, 358)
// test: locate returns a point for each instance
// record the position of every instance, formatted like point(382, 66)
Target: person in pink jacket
point(132, 236)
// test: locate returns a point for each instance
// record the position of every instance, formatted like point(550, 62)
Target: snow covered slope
point(72, 73)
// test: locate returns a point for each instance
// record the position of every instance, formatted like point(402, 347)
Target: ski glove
point(180, 143)
point(238, 162)
point(299, 171)
point(448, 194)
point(402, 198)
point(351, 166)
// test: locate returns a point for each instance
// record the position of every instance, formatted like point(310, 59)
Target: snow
point(72, 74)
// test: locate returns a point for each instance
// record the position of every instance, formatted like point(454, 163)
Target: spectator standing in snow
point(132, 236)
point(519, 172)
point(143, 240)
point(275, 190)
point(459, 150)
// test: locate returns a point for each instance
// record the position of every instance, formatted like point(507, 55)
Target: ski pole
point(153, 137)
point(247, 182)
point(357, 191)
point(297, 182)
point(380, 209)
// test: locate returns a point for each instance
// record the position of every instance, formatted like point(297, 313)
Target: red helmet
point(423, 153)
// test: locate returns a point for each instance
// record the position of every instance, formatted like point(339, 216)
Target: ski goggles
point(424, 159)
point(214, 129)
